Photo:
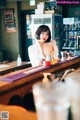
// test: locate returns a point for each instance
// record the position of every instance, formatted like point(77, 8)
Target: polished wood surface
point(18, 113)
point(12, 66)
point(33, 75)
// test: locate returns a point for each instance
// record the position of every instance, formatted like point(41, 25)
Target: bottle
point(46, 79)
point(18, 60)
point(48, 60)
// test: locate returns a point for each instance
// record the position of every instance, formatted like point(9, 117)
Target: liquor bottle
point(18, 60)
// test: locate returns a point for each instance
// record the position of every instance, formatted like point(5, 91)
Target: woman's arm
point(35, 56)
point(32, 57)
point(55, 49)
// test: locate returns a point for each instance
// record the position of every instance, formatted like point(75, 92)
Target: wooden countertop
point(12, 66)
point(34, 73)
point(21, 82)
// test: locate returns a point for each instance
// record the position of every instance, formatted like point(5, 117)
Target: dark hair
point(43, 28)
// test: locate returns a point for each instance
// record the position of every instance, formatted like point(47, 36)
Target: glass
point(63, 55)
point(51, 101)
point(73, 85)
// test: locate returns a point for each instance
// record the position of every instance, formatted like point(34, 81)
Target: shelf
point(71, 30)
point(70, 39)
point(72, 48)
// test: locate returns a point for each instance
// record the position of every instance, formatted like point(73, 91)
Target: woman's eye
point(42, 32)
point(47, 34)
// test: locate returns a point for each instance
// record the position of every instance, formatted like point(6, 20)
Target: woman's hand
point(42, 61)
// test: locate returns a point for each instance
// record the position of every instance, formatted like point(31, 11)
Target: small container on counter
point(19, 61)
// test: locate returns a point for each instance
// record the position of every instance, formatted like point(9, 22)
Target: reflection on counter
point(3, 66)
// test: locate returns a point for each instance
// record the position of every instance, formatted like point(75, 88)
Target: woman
point(43, 46)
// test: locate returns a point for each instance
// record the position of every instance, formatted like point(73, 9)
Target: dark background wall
point(71, 10)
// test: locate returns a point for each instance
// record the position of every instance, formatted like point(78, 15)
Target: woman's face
point(44, 36)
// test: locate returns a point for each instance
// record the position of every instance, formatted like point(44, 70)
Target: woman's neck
point(40, 42)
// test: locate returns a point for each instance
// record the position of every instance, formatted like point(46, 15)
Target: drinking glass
point(51, 101)
point(73, 85)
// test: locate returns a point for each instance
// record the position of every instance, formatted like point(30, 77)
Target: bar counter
point(20, 82)
point(12, 66)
